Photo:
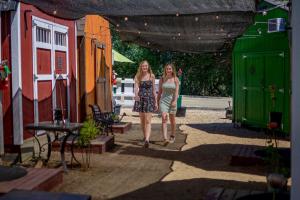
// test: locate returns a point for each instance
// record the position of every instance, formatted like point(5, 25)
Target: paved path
point(176, 171)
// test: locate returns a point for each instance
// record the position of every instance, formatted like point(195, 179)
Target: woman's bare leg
point(142, 121)
point(148, 117)
point(164, 121)
point(173, 125)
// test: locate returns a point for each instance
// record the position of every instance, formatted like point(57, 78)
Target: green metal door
point(274, 83)
point(254, 89)
point(239, 85)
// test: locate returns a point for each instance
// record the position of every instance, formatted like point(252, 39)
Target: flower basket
point(4, 84)
point(4, 72)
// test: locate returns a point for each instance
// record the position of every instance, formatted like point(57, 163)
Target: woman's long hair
point(173, 71)
point(138, 75)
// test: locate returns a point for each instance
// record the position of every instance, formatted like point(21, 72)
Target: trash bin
point(116, 107)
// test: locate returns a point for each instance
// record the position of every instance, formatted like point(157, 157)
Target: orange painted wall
point(96, 32)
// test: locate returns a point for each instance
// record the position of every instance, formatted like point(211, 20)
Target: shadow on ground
point(229, 129)
point(186, 189)
point(207, 157)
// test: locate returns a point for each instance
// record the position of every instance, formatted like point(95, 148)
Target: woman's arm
point(153, 86)
point(136, 89)
point(175, 97)
point(159, 91)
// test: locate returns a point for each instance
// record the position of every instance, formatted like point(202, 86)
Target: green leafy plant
point(115, 117)
point(88, 132)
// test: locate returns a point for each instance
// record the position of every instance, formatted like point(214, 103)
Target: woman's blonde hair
point(173, 71)
point(138, 75)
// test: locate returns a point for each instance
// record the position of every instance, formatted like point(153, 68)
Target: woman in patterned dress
point(145, 98)
point(167, 100)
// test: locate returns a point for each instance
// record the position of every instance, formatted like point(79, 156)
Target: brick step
point(227, 194)
point(36, 179)
point(121, 127)
point(99, 145)
point(244, 156)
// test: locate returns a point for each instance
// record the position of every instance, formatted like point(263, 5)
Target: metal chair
point(103, 119)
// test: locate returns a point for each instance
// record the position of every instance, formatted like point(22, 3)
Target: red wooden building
point(41, 50)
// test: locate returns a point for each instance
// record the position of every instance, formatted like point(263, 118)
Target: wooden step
point(36, 179)
point(101, 144)
point(121, 127)
point(244, 155)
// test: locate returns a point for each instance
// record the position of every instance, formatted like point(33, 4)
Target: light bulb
point(125, 18)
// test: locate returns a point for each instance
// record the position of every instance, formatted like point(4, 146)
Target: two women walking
point(147, 102)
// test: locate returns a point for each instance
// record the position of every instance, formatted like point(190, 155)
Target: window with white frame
point(60, 39)
point(43, 35)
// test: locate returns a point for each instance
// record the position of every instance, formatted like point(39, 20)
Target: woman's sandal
point(172, 139)
point(146, 144)
point(166, 142)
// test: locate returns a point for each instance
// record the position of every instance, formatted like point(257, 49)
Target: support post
point(295, 105)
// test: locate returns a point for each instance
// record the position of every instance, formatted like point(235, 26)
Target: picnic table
point(62, 132)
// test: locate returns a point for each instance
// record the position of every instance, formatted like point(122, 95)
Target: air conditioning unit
point(276, 25)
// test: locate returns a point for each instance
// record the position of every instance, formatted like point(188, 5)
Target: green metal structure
point(261, 72)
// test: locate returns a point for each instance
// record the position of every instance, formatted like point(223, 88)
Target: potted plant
point(88, 132)
point(278, 170)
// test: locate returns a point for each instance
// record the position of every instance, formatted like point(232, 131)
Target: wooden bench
point(121, 127)
point(36, 179)
point(101, 144)
point(38, 195)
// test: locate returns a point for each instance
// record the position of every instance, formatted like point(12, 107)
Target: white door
point(50, 69)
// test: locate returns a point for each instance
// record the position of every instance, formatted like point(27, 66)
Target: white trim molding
point(16, 69)
point(53, 45)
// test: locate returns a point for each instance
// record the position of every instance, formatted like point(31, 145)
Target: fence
point(123, 92)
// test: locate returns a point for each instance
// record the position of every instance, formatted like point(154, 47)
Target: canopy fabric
point(188, 33)
point(120, 58)
point(74, 9)
point(174, 25)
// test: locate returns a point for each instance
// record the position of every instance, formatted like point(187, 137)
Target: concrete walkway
point(194, 102)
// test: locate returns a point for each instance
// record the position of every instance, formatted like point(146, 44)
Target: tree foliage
point(206, 74)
